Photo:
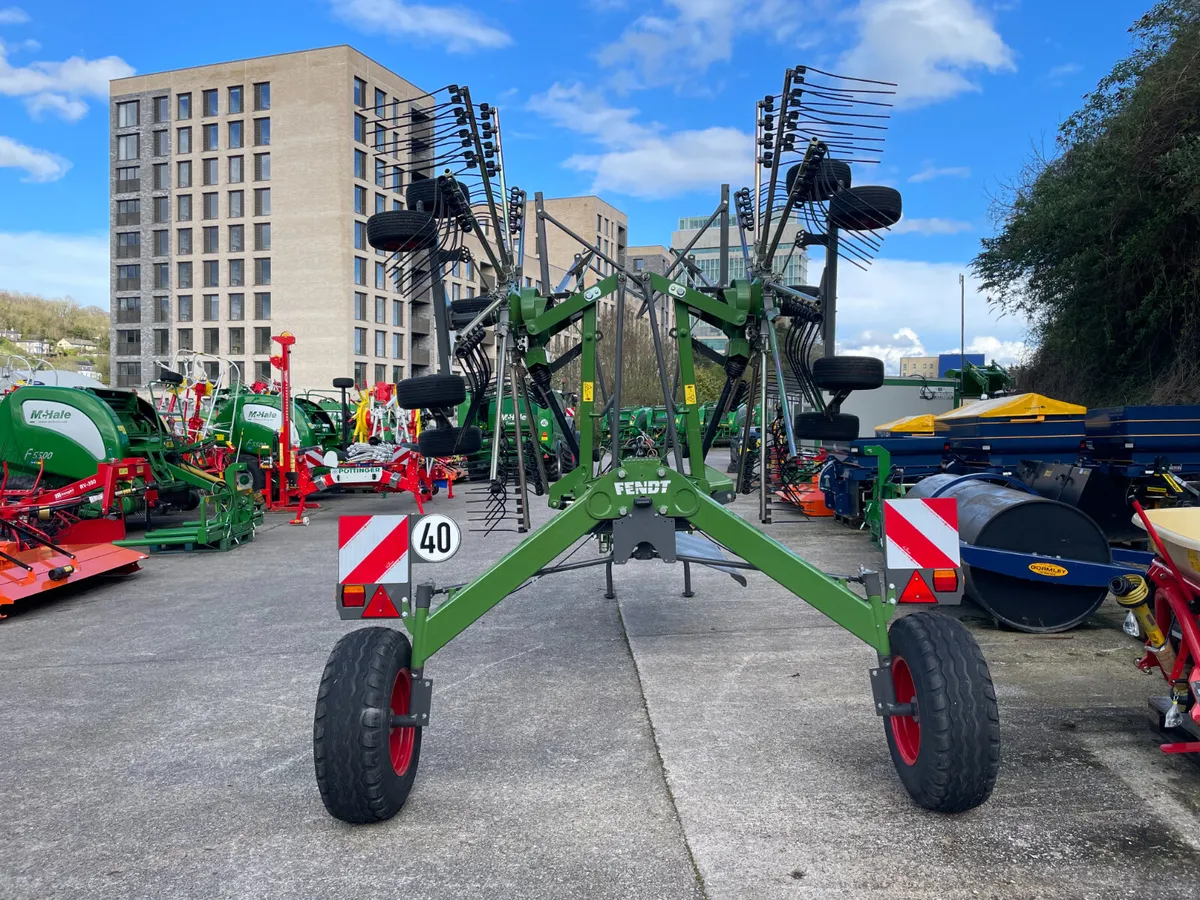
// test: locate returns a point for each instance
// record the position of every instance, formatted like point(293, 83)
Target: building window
point(212, 340)
point(380, 102)
point(129, 342)
point(211, 307)
point(381, 310)
point(360, 92)
point(455, 292)
point(211, 240)
point(162, 342)
point(380, 173)
point(162, 309)
point(162, 109)
point(184, 303)
point(183, 140)
point(210, 205)
point(183, 173)
point(129, 374)
point(360, 200)
point(127, 146)
point(380, 138)
point(237, 340)
point(360, 271)
point(380, 372)
point(210, 169)
point(183, 338)
point(235, 100)
point(129, 310)
point(184, 242)
point(183, 272)
point(127, 180)
point(396, 204)
point(127, 114)
point(162, 209)
point(360, 306)
point(262, 201)
point(262, 96)
point(262, 236)
point(262, 340)
point(237, 169)
point(262, 306)
point(381, 343)
point(396, 348)
point(237, 241)
point(360, 342)
point(162, 177)
point(129, 212)
point(212, 137)
point(262, 132)
point(237, 202)
point(237, 273)
point(262, 271)
point(380, 203)
point(210, 103)
point(396, 172)
point(129, 244)
point(184, 208)
point(129, 278)
point(161, 146)
point(360, 164)
point(470, 292)
point(397, 373)
point(213, 369)
point(262, 166)
point(212, 273)
point(234, 140)
point(162, 275)
point(360, 128)
point(360, 235)
point(360, 374)
point(183, 106)
point(380, 277)
point(262, 371)
point(397, 313)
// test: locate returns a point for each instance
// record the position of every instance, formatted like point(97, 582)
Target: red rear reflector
point(354, 595)
point(917, 591)
point(381, 606)
point(945, 580)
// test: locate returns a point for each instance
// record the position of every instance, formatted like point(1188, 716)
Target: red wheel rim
point(400, 740)
point(906, 730)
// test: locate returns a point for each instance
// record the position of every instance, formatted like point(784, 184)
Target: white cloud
point(39, 165)
point(930, 226)
point(643, 160)
point(60, 86)
point(56, 265)
point(929, 47)
point(459, 30)
point(13, 15)
point(1064, 69)
point(930, 172)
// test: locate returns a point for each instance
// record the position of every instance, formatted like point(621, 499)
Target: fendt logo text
point(642, 488)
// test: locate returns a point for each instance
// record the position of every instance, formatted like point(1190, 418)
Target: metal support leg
point(523, 486)
point(687, 579)
point(764, 480)
point(609, 592)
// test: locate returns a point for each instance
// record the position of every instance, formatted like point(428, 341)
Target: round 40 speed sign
point(436, 538)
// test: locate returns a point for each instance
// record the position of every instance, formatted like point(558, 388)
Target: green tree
point(1099, 244)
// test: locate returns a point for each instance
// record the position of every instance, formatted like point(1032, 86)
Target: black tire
point(442, 202)
point(848, 373)
point(866, 208)
point(449, 441)
point(354, 746)
point(258, 478)
point(431, 391)
point(403, 230)
point(346, 383)
point(815, 426)
point(948, 755)
point(463, 312)
point(832, 175)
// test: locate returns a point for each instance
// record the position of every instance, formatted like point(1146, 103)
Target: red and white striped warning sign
point(921, 534)
point(373, 550)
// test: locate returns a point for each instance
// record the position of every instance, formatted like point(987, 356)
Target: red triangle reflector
point(381, 606)
point(916, 591)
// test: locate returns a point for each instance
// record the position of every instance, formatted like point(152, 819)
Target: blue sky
point(645, 102)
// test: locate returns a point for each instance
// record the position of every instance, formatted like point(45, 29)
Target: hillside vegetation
point(1099, 246)
point(52, 320)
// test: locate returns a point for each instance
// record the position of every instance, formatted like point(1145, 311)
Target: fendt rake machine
point(931, 685)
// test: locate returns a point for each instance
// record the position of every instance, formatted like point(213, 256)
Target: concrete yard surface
point(157, 743)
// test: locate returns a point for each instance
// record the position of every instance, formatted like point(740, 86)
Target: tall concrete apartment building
point(240, 195)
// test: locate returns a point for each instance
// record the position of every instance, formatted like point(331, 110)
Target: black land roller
point(1006, 518)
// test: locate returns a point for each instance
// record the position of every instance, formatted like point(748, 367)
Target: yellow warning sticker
point(689, 393)
point(587, 392)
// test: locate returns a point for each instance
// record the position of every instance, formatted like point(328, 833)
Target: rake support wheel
point(831, 176)
point(866, 208)
point(848, 373)
point(431, 391)
point(815, 426)
point(450, 441)
point(439, 201)
point(402, 230)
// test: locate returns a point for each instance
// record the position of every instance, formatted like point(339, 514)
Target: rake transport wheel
point(848, 373)
point(365, 768)
point(866, 208)
point(431, 391)
point(437, 200)
point(450, 441)
point(815, 426)
point(948, 752)
point(831, 175)
point(403, 230)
